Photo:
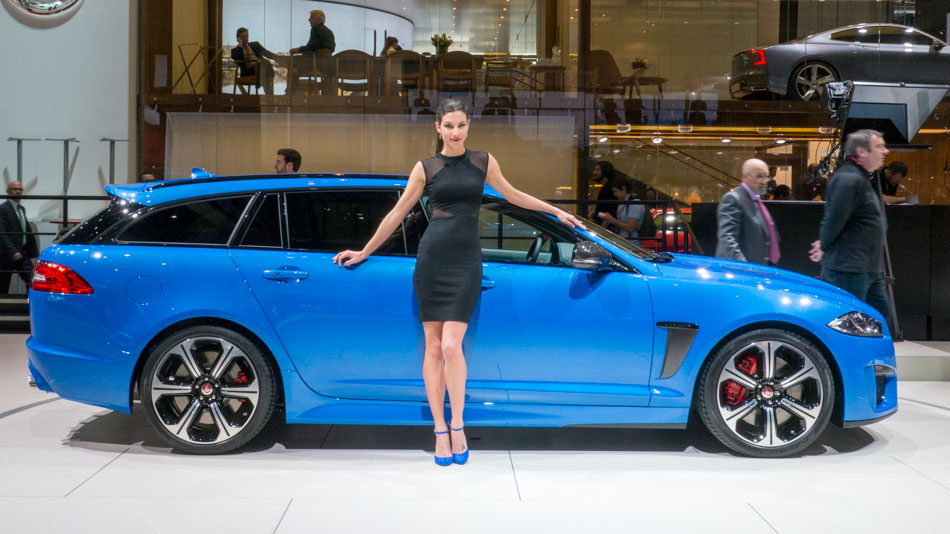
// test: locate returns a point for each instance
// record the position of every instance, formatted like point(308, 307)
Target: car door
point(907, 55)
point(558, 335)
point(351, 332)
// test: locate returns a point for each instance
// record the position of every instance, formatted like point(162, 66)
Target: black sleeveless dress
point(448, 275)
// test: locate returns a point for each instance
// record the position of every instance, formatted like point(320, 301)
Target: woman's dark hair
point(391, 41)
point(607, 171)
point(449, 105)
point(620, 183)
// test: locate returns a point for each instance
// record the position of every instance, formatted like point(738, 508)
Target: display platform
point(74, 468)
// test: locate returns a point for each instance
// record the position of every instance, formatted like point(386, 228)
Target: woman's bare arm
point(524, 200)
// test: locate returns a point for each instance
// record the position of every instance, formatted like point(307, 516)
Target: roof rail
point(213, 179)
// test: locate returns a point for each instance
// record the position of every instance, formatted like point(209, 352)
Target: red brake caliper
point(748, 365)
point(733, 393)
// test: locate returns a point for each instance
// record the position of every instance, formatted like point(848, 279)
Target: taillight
point(55, 278)
point(757, 57)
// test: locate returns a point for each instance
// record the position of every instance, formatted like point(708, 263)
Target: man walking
point(851, 244)
point(18, 247)
point(746, 230)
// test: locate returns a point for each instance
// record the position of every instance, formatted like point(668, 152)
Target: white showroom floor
point(71, 468)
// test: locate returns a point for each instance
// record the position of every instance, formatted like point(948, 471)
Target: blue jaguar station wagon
point(215, 302)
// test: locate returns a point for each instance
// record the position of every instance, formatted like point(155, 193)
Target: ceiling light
point(684, 128)
point(616, 151)
point(623, 128)
point(602, 139)
point(726, 140)
point(764, 129)
point(657, 140)
point(780, 141)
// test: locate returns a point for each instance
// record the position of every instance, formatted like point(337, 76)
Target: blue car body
point(547, 345)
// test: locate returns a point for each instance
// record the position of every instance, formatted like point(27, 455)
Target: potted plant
point(441, 43)
point(639, 65)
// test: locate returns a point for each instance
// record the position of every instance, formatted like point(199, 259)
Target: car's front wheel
point(809, 79)
point(766, 393)
point(207, 390)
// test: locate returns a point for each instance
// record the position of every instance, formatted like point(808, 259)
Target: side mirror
point(589, 256)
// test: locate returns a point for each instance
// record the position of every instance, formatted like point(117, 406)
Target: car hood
point(720, 271)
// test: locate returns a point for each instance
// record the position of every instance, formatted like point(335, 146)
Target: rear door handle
point(487, 284)
point(285, 274)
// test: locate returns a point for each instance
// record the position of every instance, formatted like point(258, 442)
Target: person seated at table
point(392, 45)
point(250, 57)
point(322, 43)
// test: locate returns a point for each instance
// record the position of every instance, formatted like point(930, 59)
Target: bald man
point(746, 230)
point(18, 247)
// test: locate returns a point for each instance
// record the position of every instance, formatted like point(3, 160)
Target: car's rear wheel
point(809, 79)
point(766, 393)
point(207, 390)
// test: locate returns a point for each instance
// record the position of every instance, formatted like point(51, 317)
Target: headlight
point(858, 324)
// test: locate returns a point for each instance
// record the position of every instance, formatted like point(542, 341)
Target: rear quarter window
point(203, 222)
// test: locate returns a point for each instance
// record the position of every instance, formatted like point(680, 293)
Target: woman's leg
point(456, 372)
point(434, 377)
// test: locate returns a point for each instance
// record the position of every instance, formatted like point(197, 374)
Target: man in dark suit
point(322, 43)
point(250, 57)
point(18, 247)
point(746, 230)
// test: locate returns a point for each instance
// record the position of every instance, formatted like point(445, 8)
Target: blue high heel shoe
point(461, 457)
point(443, 460)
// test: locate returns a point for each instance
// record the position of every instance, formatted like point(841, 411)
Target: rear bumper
point(747, 83)
point(79, 377)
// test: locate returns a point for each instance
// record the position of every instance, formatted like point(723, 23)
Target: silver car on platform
point(866, 52)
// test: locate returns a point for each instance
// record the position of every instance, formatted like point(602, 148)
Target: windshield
point(618, 241)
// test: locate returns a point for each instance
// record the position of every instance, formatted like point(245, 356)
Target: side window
point(206, 222)
point(332, 221)
point(512, 235)
point(265, 229)
point(850, 36)
point(900, 36)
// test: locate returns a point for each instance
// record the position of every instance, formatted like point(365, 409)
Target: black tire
point(213, 401)
point(766, 393)
point(811, 75)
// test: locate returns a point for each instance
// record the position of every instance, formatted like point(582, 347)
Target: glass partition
point(678, 94)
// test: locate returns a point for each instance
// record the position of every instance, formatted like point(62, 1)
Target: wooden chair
point(499, 73)
point(242, 82)
point(457, 71)
point(310, 72)
point(605, 78)
point(354, 72)
point(404, 69)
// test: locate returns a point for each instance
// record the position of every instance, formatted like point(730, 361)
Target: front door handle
point(487, 284)
point(285, 274)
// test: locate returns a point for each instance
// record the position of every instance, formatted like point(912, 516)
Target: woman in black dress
point(448, 271)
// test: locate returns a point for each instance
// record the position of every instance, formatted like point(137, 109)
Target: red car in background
point(677, 238)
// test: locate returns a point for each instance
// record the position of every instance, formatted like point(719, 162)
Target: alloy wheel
point(770, 394)
point(767, 393)
point(206, 393)
point(810, 80)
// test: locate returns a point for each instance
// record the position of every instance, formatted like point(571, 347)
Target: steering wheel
point(535, 249)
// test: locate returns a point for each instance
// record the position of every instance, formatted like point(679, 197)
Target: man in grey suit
point(746, 230)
